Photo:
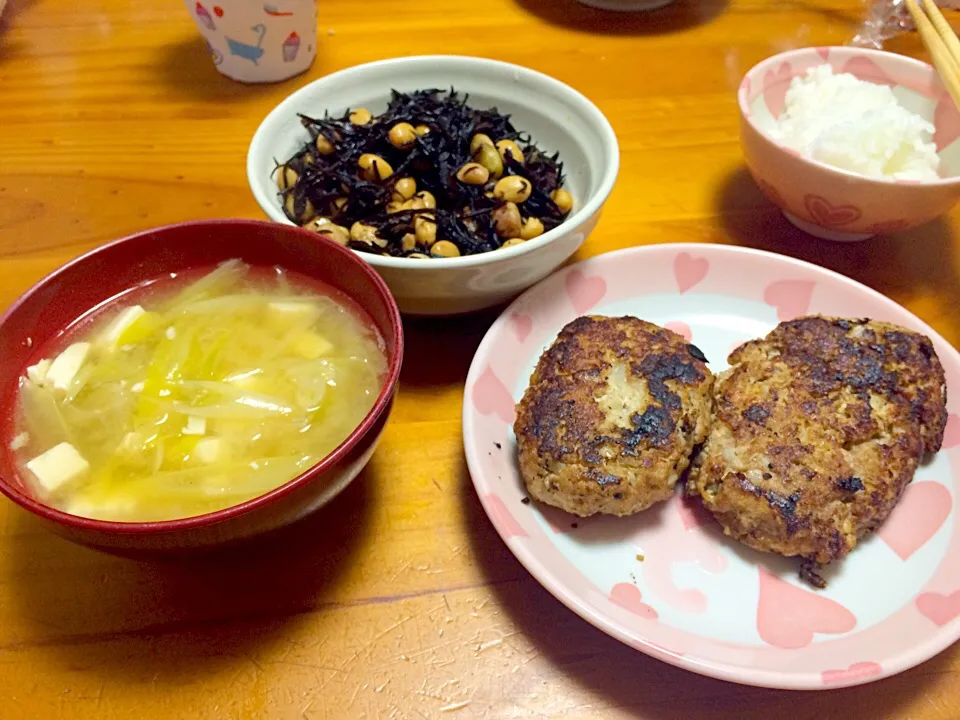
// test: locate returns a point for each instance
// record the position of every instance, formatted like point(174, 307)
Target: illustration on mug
point(204, 16)
point(253, 53)
point(291, 47)
point(215, 54)
point(273, 11)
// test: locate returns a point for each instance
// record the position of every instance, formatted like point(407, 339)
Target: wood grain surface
point(399, 601)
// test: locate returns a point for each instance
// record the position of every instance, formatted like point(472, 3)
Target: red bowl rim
point(353, 439)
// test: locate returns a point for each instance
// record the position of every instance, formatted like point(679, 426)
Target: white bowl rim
point(611, 159)
point(745, 113)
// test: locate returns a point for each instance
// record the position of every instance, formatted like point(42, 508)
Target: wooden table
point(399, 601)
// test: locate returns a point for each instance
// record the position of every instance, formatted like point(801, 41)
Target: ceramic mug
point(258, 42)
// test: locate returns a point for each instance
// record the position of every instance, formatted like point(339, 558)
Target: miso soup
point(186, 397)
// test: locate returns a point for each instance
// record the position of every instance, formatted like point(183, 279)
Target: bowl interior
point(556, 117)
point(915, 85)
point(42, 314)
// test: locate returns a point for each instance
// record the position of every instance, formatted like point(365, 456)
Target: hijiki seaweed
point(429, 175)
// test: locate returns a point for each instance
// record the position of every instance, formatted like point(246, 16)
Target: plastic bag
point(887, 19)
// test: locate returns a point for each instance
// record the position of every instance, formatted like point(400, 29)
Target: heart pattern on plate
point(788, 616)
point(918, 516)
point(791, 298)
point(677, 540)
point(522, 326)
point(629, 597)
point(681, 329)
point(584, 291)
point(826, 214)
point(491, 397)
point(503, 518)
point(939, 609)
point(857, 671)
point(689, 271)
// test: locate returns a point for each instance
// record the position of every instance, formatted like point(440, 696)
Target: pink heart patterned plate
point(667, 581)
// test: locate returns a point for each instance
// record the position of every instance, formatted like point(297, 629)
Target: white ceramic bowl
point(556, 116)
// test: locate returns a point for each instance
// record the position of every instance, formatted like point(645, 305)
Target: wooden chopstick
point(943, 29)
point(939, 39)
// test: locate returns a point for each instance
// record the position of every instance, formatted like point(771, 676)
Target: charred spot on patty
point(786, 505)
point(697, 353)
point(850, 484)
point(601, 478)
point(756, 414)
point(655, 425)
point(658, 368)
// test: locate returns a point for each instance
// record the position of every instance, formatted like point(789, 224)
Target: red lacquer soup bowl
point(38, 318)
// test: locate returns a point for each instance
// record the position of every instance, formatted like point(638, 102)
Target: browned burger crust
point(613, 411)
point(819, 427)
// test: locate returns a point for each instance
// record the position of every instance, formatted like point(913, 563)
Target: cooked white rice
point(855, 125)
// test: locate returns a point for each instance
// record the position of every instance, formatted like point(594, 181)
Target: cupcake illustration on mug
point(291, 47)
point(204, 17)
